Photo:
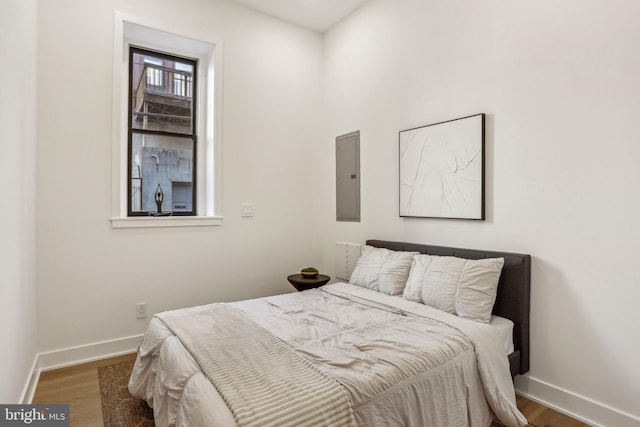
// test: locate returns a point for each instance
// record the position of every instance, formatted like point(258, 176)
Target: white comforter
point(403, 363)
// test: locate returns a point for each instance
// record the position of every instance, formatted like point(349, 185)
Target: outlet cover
point(141, 310)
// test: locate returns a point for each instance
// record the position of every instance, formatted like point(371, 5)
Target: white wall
point(89, 275)
point(559, 84)
point(18, 34)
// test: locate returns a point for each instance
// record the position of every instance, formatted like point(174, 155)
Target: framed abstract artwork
point(442, 169)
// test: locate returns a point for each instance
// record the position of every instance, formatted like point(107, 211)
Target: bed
point(344, 354)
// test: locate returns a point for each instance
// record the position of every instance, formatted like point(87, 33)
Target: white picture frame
point(442, 169)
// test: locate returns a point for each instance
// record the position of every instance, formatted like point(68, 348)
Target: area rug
point(119, 408)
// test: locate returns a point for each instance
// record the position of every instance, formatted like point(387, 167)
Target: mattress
point(375, 345)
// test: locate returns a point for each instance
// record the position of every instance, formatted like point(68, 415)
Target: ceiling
point(316, 15)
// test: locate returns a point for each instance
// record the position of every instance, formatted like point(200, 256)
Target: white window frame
point(162, 36)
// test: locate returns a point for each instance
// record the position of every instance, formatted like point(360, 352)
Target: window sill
point(172, 221)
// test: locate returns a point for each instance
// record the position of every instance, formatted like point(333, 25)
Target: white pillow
point(382, 270)
point(459, 286)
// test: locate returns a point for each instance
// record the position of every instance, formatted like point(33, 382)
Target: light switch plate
point(247, 209)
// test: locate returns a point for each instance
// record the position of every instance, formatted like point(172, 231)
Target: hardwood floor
point(541, 416)
point(78, 386)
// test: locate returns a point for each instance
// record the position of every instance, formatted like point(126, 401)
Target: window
point(166, 152)
point(162, 137)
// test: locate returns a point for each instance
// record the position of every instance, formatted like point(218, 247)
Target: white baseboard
point(30, 386)
point(87, 353)
point(574, 405)
point(70, 356)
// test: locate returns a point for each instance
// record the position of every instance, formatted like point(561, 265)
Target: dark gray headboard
point(512, 300)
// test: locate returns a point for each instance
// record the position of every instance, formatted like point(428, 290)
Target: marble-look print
point(441, 170)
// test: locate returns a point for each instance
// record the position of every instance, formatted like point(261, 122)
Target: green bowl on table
point(309, 272)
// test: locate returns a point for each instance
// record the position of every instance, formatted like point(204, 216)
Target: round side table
point(301, 283)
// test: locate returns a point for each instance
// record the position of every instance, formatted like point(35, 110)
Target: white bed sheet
point(505, 329)
point(169, 379)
